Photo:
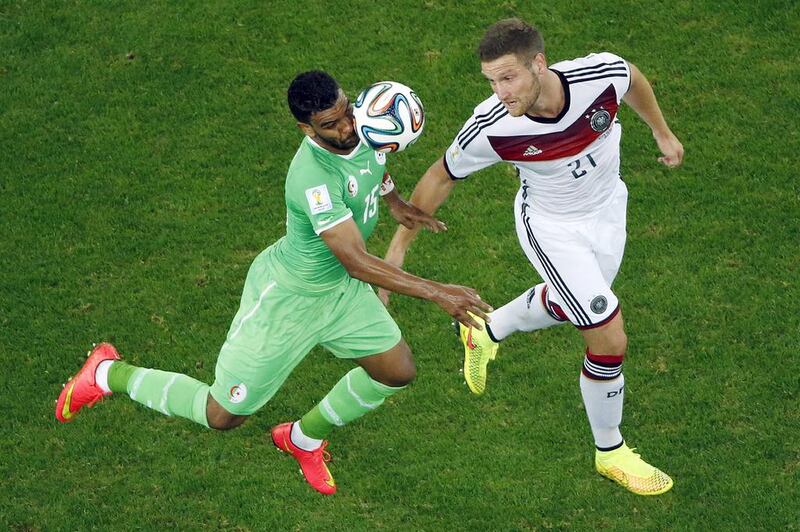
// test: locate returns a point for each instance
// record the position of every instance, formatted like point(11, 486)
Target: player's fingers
point(481, 306)
point(427, 221)
point(484, 306)
point(435, 225)
point(479, 311)
point(469, 321)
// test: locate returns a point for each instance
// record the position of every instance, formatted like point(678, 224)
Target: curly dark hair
point(510, 36)
point(311, 92)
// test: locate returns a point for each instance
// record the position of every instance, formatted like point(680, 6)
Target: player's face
point(333, 128)
point(515, 81)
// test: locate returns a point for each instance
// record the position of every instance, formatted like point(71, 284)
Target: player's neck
point(320, 143)
point(551, 99)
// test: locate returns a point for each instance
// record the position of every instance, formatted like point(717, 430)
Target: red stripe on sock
point(605, 359)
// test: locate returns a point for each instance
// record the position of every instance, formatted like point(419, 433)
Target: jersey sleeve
point(618, 70)
point(319, 196)
point(470, 150)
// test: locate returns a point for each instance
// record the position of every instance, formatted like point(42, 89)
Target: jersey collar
point(559, 116)
point(348, 156)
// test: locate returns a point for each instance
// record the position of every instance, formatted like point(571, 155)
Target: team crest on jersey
point(601, 120)
point(380, 157)
point(237, 393)
point(352, 186)
point(599, 304)
point(318, 199)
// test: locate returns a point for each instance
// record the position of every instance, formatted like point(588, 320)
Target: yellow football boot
point(479, 349)
point(627, 469)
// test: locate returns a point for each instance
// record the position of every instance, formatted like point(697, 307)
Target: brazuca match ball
point(389, 116)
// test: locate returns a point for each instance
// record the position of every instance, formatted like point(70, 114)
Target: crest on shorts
point(599, 304)
point(237, 393)
point(601, 120)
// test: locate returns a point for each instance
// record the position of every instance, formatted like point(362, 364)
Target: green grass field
point(143, 148)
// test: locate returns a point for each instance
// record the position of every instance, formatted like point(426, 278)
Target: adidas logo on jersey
point(531, 151)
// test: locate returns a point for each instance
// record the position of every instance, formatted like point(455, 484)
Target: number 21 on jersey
point(577, 171)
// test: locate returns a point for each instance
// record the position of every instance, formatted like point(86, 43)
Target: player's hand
point(671, 149)
point(412, 217)
point(459, 301)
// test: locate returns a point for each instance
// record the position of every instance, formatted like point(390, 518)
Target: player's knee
point(610, 343)
point(401, 374)
point(610, 339)
point(619, 343)
point(225, 422)
point(407, 374)
point(408, 370)
point(220, 419)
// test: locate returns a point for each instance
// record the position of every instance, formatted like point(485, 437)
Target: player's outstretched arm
point(431, 191)
point(346, 243)
point(641, 98)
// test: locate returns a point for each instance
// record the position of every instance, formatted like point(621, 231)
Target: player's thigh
point(272, 332)
point(361, 325)
point(564, 258)
point(609, 233)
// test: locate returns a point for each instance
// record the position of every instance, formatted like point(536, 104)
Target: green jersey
point(324, 189)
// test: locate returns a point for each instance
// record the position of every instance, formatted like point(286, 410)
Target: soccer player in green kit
point(311, 287)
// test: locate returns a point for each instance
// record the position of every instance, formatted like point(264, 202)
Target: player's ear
point(539, 64)
point(306, 129)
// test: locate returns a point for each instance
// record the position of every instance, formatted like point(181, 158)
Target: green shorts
point(275, 329)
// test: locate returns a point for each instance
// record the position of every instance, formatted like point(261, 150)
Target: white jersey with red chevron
point(569, 163)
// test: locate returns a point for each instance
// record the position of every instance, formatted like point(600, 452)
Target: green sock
point(118, 376)
point(353, 396)
point(172, 394)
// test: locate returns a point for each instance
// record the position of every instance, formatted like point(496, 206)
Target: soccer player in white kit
point(558, 126)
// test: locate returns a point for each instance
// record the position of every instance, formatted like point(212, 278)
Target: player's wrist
point(436, 293)
point(662, 131)
point(387, 186)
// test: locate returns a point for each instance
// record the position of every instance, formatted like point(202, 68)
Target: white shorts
point(577, 259)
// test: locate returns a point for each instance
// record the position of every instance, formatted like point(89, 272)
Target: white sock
point(603, 402)
point(101, 375)
point(303, 441)
point(525, 313)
